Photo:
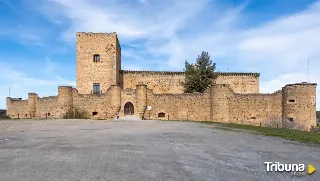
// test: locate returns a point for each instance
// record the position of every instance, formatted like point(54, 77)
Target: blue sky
point(273, 37)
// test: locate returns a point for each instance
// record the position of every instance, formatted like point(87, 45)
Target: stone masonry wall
point(159, 82)
point(47, 107)
point(105, 72)
point(243, 83)
point(56, 106)
point(179, 106)
point(43, 106)
point(128, 95)
point(234, 97)
point(94, 103)
point(292, 107)
point(299, 106)
point(256, 109)
point(90, 103)
point(170, 82)
point(17, 108)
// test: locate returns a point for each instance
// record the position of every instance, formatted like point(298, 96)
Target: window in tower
point(96, 88)
point(96, 58)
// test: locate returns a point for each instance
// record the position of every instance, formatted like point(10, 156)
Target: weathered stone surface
point(233, 98)
point(170, 82)
point(107, 70)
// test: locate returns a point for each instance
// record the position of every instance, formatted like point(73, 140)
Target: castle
point(105, 91)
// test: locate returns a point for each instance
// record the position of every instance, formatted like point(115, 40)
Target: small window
point(253, 118)
point(96, 88)
point(96, 58)
point(291, 119)
point(94, 113)
point(291, 100)
point(161, 115)
point(26, 115)
point(48, 114)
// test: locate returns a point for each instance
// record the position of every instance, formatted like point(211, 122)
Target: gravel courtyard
point(142, 150)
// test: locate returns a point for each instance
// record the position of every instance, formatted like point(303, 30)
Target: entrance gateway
point(128, 109)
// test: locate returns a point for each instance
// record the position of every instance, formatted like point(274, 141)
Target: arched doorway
point(128, 109)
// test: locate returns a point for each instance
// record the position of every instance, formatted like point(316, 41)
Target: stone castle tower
point(105, 91)
point(98, 61)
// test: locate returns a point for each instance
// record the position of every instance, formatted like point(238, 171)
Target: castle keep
point(105, 91)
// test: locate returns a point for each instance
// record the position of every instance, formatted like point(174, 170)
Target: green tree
point(199, 76)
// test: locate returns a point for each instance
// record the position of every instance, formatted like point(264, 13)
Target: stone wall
point(292, 107)
point(47, 107)
point(299, 106)
point(170, 82)
point(106, 71)
point(256, 109)
point(56, 106)
point(243, 83)
point(159, 82)
point(96, 106)
point(128, 96)
point(234, 97)
point(185, 106)
point(17, 108)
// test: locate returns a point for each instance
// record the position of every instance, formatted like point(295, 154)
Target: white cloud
point(21, 84)
point(173, 31)
point(86, 16)
point(155, 20)
point(278, 82)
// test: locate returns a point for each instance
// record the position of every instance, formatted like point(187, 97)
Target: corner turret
point(299, 106)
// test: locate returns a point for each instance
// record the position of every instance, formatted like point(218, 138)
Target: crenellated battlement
point(79, 34)
point(300, 84)
point(182, 73)
point(105, 91)
point(151, 72)
point(15, 99)
point(260, 94)
point(238, 74)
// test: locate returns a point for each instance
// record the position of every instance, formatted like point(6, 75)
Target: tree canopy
point(199, 76)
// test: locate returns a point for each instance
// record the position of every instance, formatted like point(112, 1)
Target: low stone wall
point(47, 107)
point(97, 106)
point(292, 107)
point(17, 108)
point(179, 106)
point(256, 109)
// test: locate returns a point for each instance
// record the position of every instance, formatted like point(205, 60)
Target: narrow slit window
point(291, 100)
point(96, 88)
point(96, 58)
